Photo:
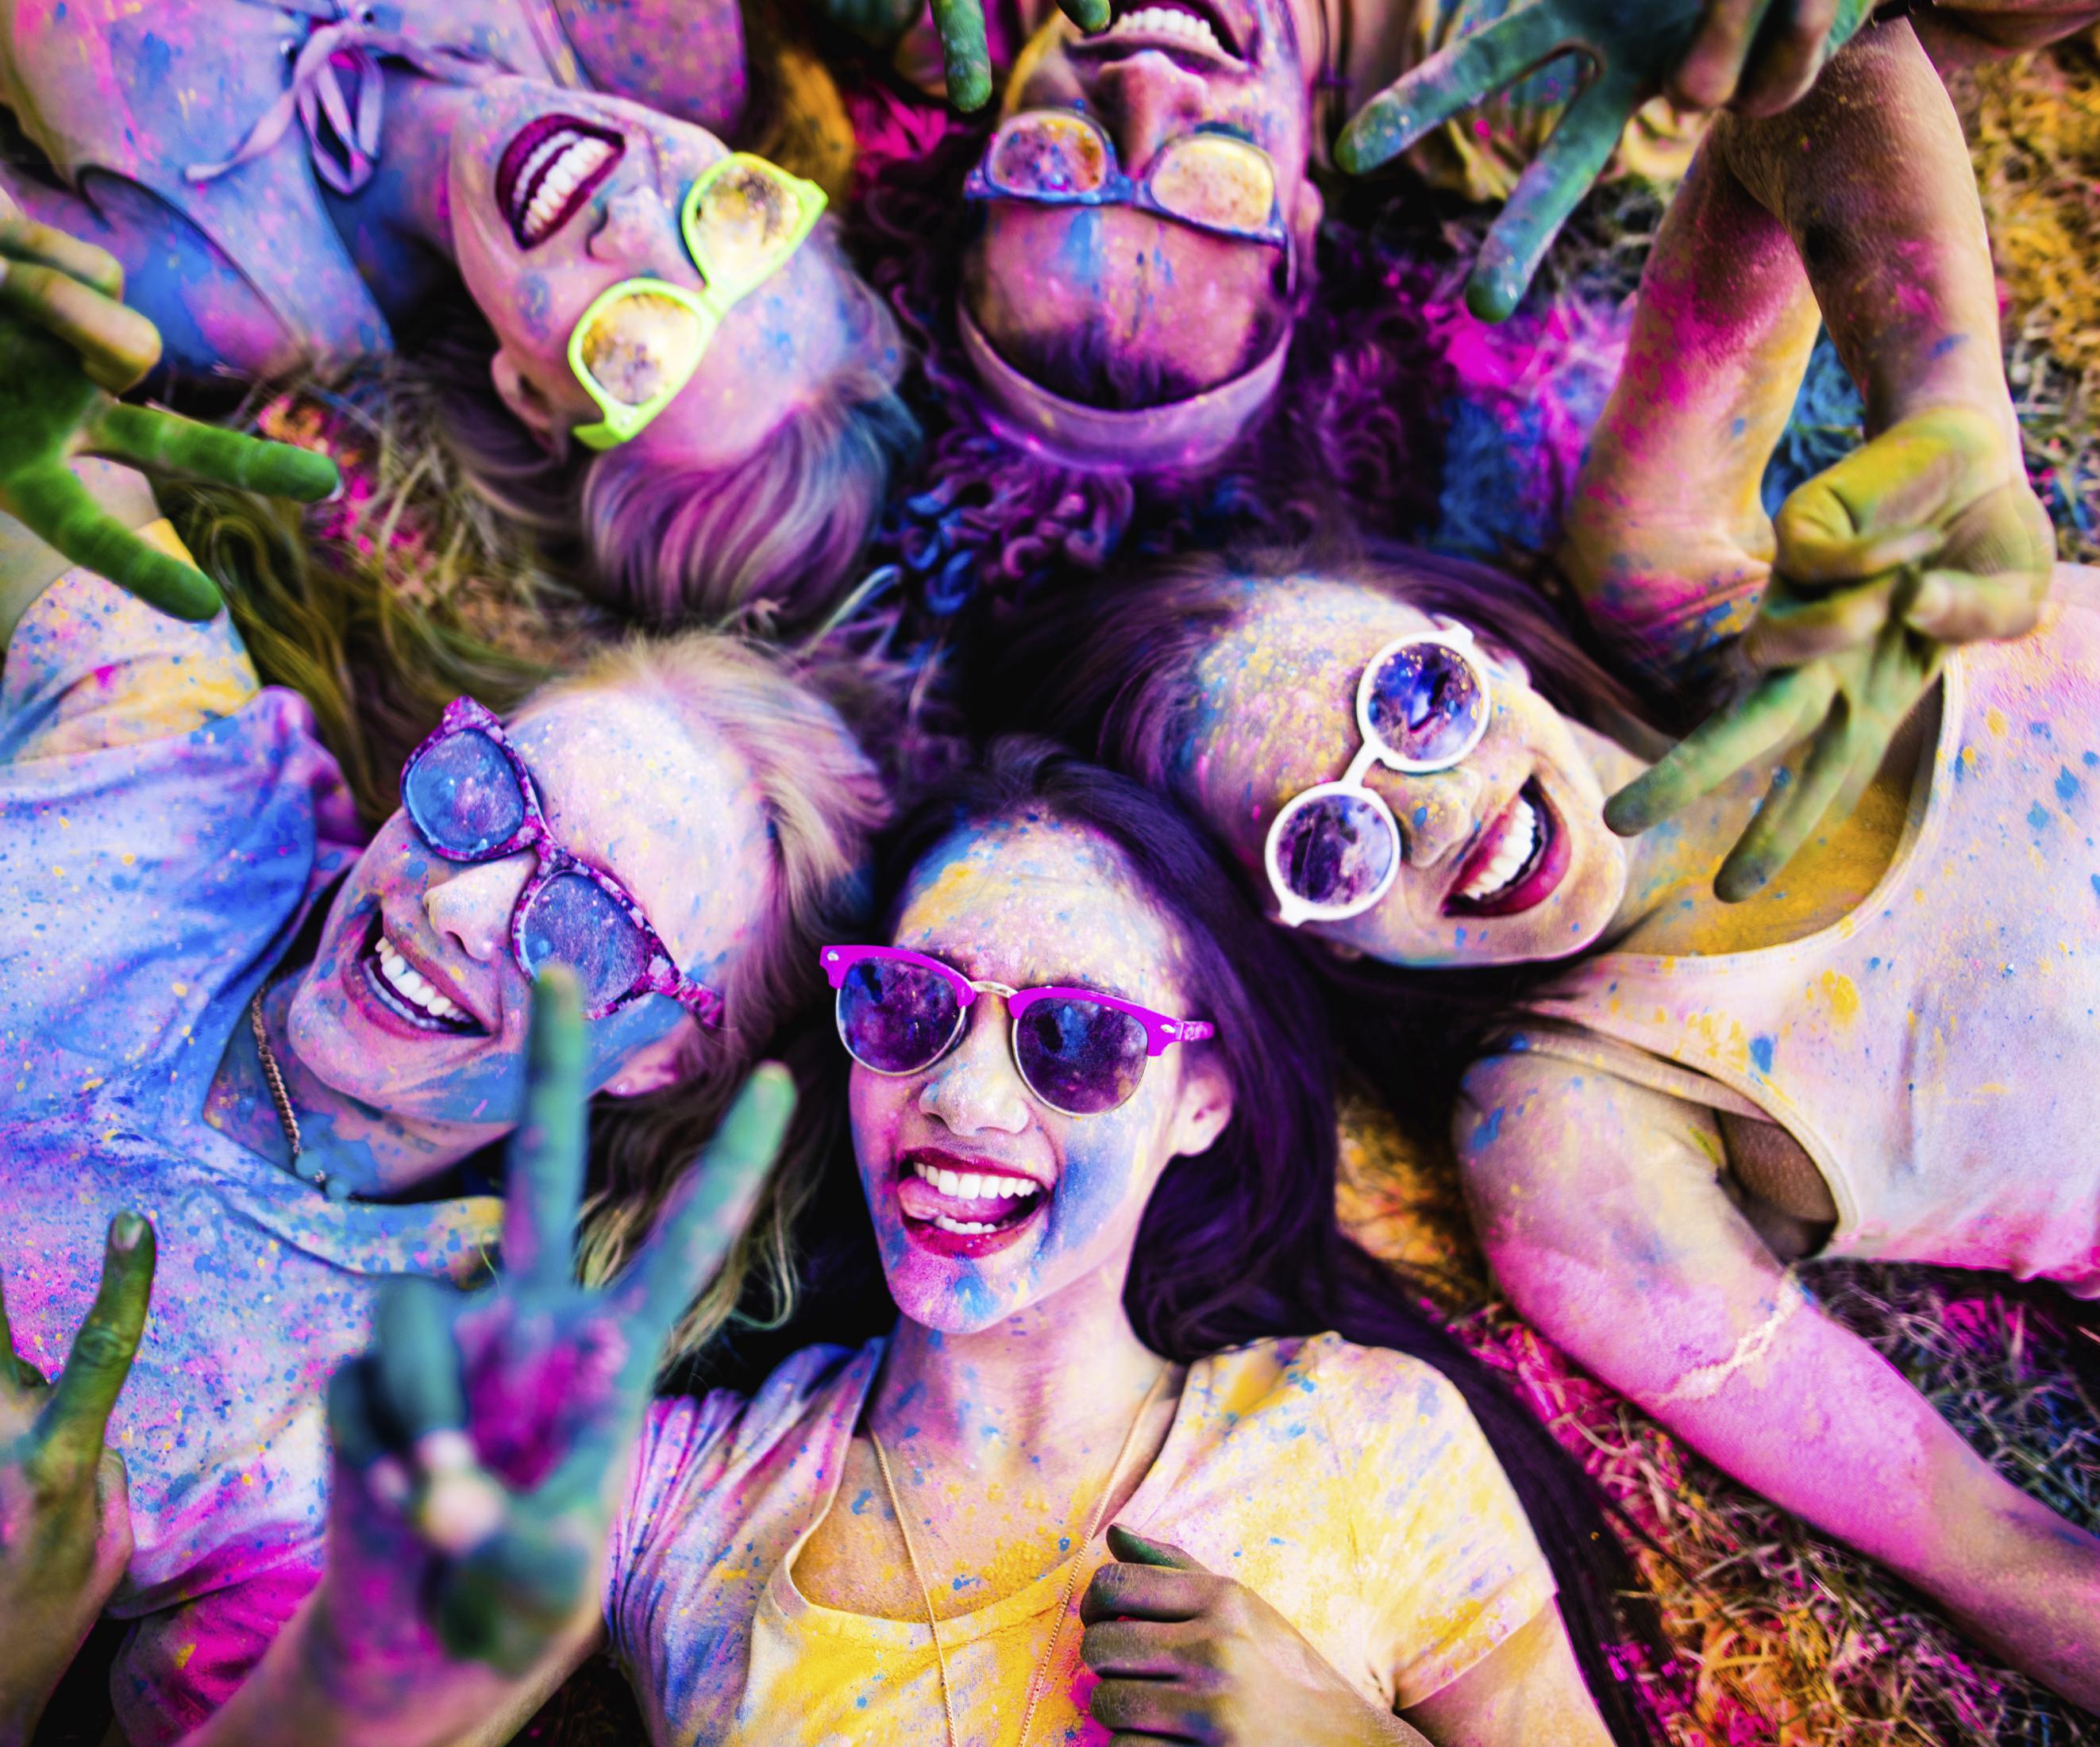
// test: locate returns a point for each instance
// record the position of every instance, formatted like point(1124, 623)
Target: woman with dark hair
point(1094, 1152)
point(1669, 1086)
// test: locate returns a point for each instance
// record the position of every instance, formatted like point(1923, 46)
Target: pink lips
point(919, 1202)
point(523, 152)
point(1537, 883)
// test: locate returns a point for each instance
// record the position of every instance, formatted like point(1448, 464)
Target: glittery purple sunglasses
point(468, 794)
point(1081, 1052)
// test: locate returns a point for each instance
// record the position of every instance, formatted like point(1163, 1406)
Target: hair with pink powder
point(771, 541)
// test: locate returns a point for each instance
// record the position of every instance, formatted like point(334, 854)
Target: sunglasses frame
point(707, 307)
point(1120, 188)
point(659, 976)
point(1292, 909)
point(1160, 1030)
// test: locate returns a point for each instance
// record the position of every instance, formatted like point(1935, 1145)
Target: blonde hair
point(824, 799)
point(770, 540)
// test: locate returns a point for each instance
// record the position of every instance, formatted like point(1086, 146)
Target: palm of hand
point(1632, 50)
point(65, 340)
point(1928, 536)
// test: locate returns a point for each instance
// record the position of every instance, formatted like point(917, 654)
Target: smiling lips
point(406, 993)
point(1517, 865)
point(551, 167)
point(965, 1207)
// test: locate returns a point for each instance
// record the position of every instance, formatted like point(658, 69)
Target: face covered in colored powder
point(1032, 903)
point(557, 196)
point(1156, 309)
point(626, 786)
point(1505, 858)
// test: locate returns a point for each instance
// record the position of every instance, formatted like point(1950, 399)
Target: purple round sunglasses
point(1077, 1050)
point(470, 798)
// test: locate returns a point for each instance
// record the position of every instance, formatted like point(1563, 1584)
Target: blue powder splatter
point(1761, 1051)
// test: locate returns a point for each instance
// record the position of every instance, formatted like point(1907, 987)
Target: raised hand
point(1762, 54)
point(65, 1522)
point(964, 50)
point(1184, 1654)
point(1928, 536)
point(480, 1444)
point(68, 345)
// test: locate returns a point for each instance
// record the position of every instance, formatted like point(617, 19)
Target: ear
point(665, 1062)
point(1205, 1106)
point(527, 404)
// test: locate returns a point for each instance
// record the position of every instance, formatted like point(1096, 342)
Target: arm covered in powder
point(1602, 1209)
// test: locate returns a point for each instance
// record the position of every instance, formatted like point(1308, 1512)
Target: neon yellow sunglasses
point(641, 341)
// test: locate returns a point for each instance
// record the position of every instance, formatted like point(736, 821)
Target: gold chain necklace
point(273, 1077)
point(1071, 1582)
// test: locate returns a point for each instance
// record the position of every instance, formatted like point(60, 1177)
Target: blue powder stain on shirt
point(1761, 1051)
point(861, 1504)
point(156, 60)
point(2037, 815)
point(2066, 786)
point(2092, 759)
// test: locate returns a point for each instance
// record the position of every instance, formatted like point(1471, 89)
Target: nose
point(1145, 101)
point(1438, 811)
point(636, 230)
point(975, 1086)
point(471, 905)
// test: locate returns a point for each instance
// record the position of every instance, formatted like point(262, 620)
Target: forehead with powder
point(1022, 901)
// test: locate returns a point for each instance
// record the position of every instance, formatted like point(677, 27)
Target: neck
point(399, 226)
point(1046, 1378)
point(361, 1151)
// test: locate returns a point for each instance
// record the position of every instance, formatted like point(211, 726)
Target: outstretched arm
point(1859, 204)
point(1602, 1212)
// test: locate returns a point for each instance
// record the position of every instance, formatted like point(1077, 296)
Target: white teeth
point(974, 1185)
point(968, 1228)
point(411, 984)
point(1515, 850)
point(1168, 21)
point(572, 159)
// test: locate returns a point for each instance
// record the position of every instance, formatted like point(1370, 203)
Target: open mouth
point(551, 167)
point(1194, 29)
point(406, 993)
point(1517, 864)
point(955, 1206)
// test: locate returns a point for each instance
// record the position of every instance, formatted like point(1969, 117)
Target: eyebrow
point(965, 963)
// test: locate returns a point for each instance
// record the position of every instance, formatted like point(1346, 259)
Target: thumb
point(1133, 1549)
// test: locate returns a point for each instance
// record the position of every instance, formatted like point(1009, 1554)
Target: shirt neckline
point(785, 1597)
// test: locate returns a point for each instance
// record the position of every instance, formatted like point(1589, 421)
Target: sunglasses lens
point(742, 225)
point(1048, 154)
point(640, 346)
point(574, 922)
point(896, 1017)
point(463, 796)
point(1427, 704)
point(1215, 180)
point(1078, 1056)
point(1336, 851)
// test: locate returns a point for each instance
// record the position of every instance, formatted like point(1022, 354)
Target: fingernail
point(126, 1229)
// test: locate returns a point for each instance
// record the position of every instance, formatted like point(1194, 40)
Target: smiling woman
point(750, 446)
point(1083, 1247)
point(282, 1047)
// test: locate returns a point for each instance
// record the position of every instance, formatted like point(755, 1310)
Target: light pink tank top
point(1937, 1052)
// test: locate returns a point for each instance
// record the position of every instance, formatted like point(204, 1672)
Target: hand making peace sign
point(480, 1443)
point(65, 1520)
